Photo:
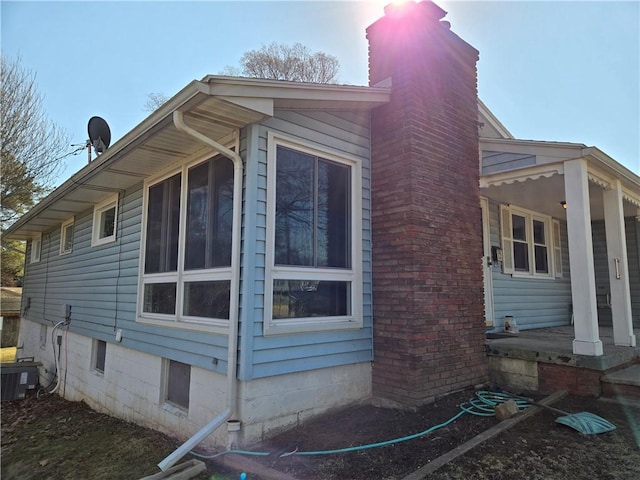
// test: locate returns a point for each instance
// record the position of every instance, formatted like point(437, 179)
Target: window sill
point(103, 241)
point(532, 277)
point(175, 410)
point(309, 326)
point(197, 327)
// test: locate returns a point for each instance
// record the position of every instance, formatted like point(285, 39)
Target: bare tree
point(32, 147)
point(294, 63)
point(154, 101)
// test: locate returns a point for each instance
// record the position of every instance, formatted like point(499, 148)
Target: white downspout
point(232, 353)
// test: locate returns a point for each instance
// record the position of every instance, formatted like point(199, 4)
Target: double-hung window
point(186, 271)
point(530, 242)
point(314, 270)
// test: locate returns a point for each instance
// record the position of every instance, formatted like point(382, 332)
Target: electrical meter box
point(17, 378)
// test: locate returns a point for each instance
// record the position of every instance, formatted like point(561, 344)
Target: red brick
point(427, 279)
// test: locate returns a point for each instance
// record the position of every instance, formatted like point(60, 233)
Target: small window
point(105, 216)
point(99, 355)
point(36, 247)
point(177, 383)
point(66, 237)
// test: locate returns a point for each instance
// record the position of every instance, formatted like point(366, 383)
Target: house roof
point(216, 105)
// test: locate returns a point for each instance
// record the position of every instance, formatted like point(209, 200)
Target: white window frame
point(274, 272)
point(181, 276)
point(169, 405)
point(63, 235)
point(98, 211)
point(552, 243)
point(36, 249)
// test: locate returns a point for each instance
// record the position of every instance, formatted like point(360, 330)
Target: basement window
point(99, 355)
point(177, 382)
point(105, 216)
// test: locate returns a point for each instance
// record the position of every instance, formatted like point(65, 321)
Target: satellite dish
point(99, 134)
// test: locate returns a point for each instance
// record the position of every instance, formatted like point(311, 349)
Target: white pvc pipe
point(232, 352)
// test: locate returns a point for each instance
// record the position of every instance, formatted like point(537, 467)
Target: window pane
point(207, 299)
point(309, 298)
point(519, 229)
point(538, 233)
point(160, 298)
point(67, 240)
point(163, 218)
point(101, 352)
point(107, 222)
point(209, 214)
point(178, 380)
point(294, 208)
point(333, 216)
point(542, 266)
point(521, 256)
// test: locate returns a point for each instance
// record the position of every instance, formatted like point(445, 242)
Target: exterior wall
point(267, 356)
point(494, 162)
point(427, 238)
point(533, 302)
point(270, 405)
point(301, 375)
point(101, 285)
point(131, 388)
point(602, 270)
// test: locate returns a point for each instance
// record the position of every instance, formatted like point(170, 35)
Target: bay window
point(187, 247)
point(314, 266)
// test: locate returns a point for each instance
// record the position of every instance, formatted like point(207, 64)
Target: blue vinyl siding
point(534, 302)
point(101, 283)
point(281, 354)
point(494, 162)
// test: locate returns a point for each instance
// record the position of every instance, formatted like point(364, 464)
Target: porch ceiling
point(530, 174)
point(544, 195)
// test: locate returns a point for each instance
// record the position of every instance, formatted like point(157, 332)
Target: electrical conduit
point(232, 360)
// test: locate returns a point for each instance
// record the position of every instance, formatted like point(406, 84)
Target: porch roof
point(216, 105)
point(532, 172)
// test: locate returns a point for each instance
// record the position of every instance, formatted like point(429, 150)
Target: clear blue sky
point(558, 71)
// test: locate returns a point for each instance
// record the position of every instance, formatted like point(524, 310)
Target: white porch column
point(583, 284)
point(618, 266)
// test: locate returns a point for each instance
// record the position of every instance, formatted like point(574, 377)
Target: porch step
point(623, 383)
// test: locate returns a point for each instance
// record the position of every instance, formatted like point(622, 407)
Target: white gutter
point(232, 352)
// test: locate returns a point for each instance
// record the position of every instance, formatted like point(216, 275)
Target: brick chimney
point(427, 233)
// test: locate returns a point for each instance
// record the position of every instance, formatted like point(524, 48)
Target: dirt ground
point(51, 438)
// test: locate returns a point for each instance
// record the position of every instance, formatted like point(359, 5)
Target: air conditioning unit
point(17, 378)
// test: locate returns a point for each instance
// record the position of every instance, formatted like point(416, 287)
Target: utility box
point(17, 378)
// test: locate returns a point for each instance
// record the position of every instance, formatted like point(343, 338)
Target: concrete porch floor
point(555, 345)
point(543, 359)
